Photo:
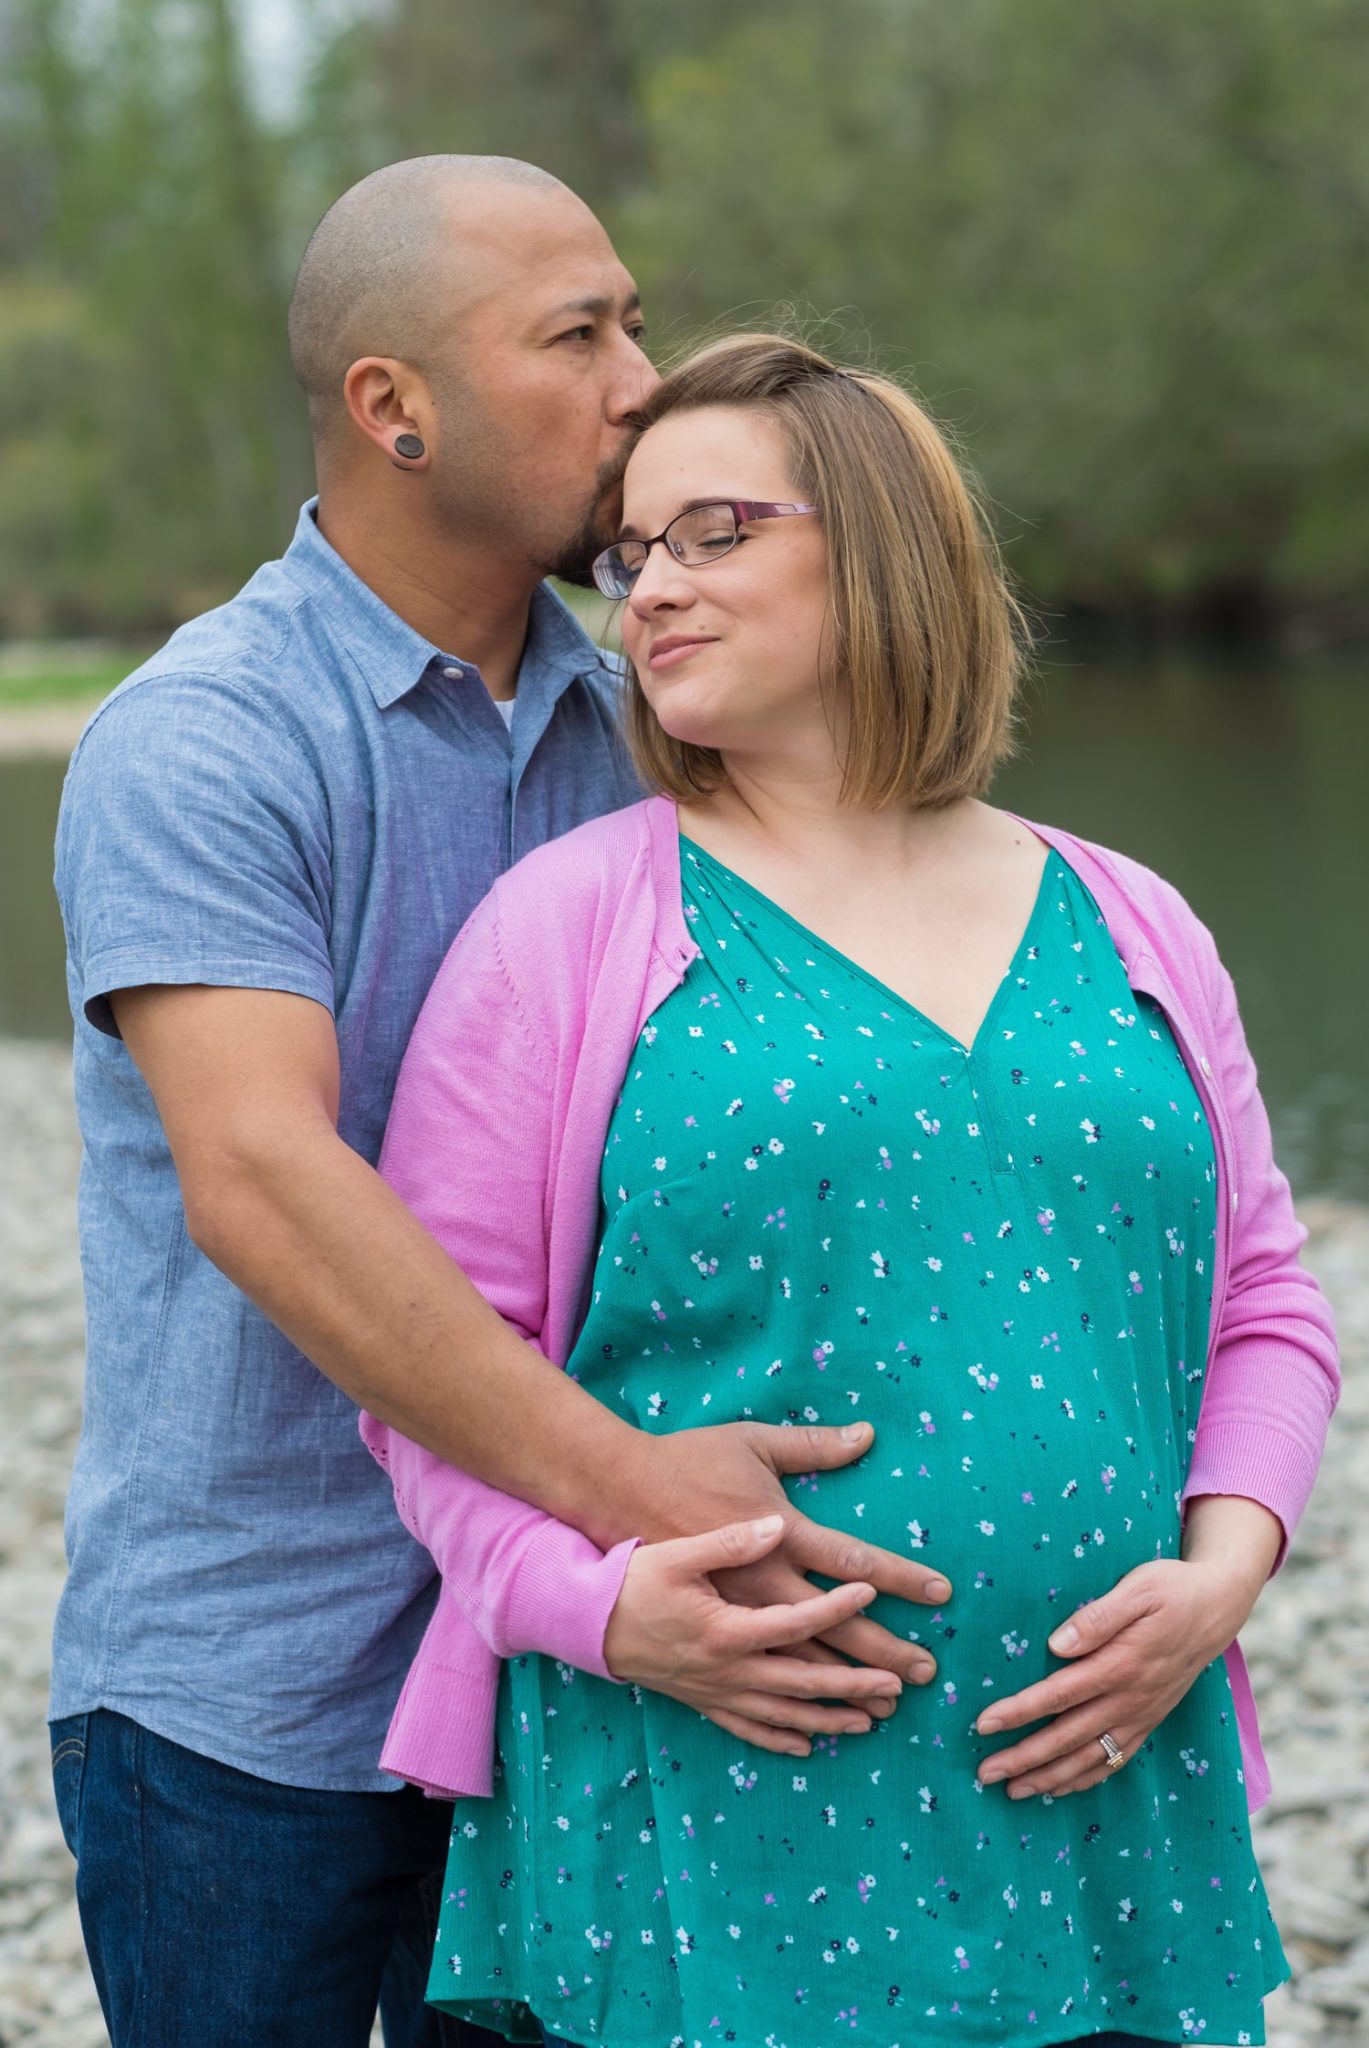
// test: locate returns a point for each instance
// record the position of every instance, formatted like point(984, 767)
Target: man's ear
point(388, 402)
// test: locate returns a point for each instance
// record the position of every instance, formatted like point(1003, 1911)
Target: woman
point(878, 1103)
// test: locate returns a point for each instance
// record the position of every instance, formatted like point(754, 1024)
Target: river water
point(1246, 784)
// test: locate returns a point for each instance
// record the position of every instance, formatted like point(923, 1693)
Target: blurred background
point(1120, 248)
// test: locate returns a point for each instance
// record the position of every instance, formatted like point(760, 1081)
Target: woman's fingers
point(780, 1741)
point(1072, 1686)
point(878, 1691)
point(1077, 1771)
point(810, 1717)
point(672, 1631)
point(817, 1653)
point(1098, 1621)
point(776, 1628)
point(716, 1550)
point(796, 1679)
point(1063, 1736)
point(775, 1579)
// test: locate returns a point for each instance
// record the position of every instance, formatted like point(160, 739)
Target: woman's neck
point(793, 818)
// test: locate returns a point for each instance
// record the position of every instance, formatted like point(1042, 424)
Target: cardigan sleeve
point(1273, 1380)
point(468, 1149)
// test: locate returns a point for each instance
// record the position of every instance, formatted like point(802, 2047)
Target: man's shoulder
point(241, 662)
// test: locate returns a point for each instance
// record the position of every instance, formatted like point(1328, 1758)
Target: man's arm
point(246, 1083)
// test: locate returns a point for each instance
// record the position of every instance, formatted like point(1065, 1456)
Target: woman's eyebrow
point(689, 505)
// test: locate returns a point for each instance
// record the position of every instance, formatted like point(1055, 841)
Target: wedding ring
point(1112, 1753)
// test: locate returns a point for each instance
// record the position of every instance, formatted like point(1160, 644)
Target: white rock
point(1308, 1643)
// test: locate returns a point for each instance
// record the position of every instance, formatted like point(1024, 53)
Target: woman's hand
point(671, 1631)
point(1135, 1653)
point(701, 1479)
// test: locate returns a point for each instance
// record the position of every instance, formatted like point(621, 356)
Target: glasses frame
point(743, 510)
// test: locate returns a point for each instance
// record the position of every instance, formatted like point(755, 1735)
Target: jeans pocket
point(70, 1739)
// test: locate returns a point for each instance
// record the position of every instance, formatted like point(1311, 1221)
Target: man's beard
point(571, 561)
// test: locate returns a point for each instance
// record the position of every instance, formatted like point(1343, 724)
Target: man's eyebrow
point(599, 305)
point(689, 505)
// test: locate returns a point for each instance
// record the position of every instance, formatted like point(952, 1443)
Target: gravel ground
point(1308, 1645)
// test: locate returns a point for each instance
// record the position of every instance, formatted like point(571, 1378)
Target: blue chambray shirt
point(297, 792)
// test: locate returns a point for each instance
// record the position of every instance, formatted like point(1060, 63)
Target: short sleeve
point(192, 846)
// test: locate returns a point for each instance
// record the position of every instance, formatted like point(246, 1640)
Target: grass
point(598, 617)
point(36, 677)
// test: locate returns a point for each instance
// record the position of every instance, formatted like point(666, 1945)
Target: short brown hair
point(926, 633)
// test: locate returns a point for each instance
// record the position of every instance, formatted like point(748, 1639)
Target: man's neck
point(466, 601)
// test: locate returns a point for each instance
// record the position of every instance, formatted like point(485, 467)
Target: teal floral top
point(818, 1205)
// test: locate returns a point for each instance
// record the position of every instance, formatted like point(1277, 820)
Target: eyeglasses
point(703, 534)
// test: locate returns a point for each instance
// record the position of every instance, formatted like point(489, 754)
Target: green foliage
point(72, 677)
point(1119, 248)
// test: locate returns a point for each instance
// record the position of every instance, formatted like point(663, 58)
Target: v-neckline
point(852, 966)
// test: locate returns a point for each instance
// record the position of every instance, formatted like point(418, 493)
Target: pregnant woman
point(814, 1088)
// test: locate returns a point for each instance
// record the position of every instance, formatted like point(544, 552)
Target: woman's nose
point(662, 585)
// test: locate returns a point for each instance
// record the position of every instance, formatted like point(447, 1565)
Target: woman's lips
point(671, 652)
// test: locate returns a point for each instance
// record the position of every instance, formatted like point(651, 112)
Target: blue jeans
point(221, 1909)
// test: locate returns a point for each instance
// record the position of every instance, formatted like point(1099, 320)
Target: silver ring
point(1112, 1753)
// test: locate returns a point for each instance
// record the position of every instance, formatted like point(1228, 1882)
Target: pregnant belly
point(1026, 1525)
point(1032, 1493)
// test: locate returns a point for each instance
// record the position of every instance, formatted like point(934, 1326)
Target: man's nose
point(636, 376)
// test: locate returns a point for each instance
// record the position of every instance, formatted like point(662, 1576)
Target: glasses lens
point(617, 569)
point(702, 535)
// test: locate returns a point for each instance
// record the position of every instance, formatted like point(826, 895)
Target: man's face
point(542, 365)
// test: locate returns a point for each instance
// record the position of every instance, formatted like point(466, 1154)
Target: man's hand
point(1135, 1652)
point(672, 1632)
point(702, 1479)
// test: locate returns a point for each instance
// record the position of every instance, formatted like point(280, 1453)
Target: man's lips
point(675, 647)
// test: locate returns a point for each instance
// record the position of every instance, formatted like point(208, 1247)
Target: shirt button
point(1205, 1063)
point(453, 675)
point(1235, 1200)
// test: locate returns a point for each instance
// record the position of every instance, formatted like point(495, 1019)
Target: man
point(269, 837)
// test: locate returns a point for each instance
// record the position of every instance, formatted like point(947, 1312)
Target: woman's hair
point(927, 639)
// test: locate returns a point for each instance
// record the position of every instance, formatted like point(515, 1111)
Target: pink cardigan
point(495, 1141)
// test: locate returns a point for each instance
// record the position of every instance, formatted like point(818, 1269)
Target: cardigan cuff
point(441, 1734)
point(1254, 1462)
point(561, 1598)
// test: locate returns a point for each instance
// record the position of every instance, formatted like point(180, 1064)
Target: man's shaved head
point(475, 304)
point(379, 268)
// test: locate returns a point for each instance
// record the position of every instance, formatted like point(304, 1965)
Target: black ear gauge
point(409, 446)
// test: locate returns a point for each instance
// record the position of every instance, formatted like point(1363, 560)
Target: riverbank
point(49, 689)
point(1308, 1645)
point(36, 731)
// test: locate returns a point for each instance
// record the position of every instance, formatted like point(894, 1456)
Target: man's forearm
point(316, 1239)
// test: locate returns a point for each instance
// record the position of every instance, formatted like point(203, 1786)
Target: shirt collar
point(389, 654)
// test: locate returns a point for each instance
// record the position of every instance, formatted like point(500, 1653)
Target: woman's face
point(729, 654)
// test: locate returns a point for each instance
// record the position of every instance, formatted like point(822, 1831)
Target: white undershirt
point(504, 706)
